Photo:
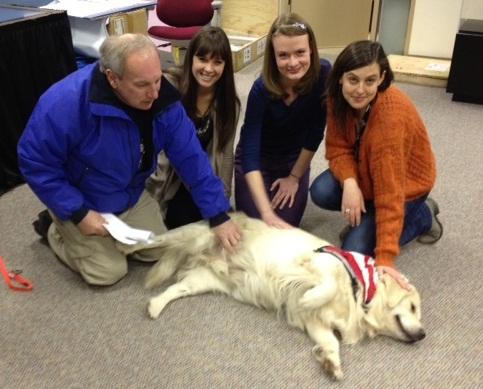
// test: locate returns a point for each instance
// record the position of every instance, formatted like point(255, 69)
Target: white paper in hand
point(124, 233)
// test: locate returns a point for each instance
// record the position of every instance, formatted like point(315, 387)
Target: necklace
point(201, 130)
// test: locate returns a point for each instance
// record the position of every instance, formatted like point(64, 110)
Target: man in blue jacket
point(92, 141)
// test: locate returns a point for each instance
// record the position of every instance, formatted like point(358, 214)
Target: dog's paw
point(334, 371)
point(330, 366)
point(154, 309)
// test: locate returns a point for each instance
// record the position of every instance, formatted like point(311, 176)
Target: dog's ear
point(394, 292)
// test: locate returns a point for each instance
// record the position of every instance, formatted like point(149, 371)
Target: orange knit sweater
point(396, 163)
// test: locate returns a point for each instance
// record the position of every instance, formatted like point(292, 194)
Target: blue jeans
point(326, 192)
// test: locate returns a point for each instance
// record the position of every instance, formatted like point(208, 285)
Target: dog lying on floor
point(294, 273)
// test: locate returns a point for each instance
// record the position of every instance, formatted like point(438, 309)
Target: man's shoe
point(42, 224)
point(436, 231)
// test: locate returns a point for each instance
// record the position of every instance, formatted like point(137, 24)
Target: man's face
point(139, 85)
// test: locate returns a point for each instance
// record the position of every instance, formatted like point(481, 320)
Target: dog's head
point(396, 312)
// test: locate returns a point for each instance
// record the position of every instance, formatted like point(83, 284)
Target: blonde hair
point(289, 24)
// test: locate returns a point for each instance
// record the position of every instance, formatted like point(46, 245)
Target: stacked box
point(128, 22)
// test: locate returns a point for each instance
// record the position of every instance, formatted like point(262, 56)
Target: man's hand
point(228, 235)
point(93, 224)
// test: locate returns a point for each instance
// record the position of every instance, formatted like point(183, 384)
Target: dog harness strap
point(360, 267)
point(13, 278)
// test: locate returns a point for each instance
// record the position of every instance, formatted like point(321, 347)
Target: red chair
point(183, 19)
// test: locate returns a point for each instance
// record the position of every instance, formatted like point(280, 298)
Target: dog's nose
point(417, 336)
point(421, 335)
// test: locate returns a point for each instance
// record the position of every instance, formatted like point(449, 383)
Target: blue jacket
point(79, 153)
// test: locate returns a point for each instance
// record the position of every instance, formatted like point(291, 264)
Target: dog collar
point(361, 269)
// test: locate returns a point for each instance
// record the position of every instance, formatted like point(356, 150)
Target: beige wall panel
point(434, 25)
point(472, 9)
point(252, 17)
point(336, 23)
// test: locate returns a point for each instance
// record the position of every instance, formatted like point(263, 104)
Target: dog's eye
point(413, 308)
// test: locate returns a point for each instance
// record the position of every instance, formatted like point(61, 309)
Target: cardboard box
point(137, 21)
point(246, 49)
point(128, 22)
point(247, 22)
point(117, 24)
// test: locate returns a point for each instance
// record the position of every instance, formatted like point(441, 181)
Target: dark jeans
point(326, 192)
point(271, 171)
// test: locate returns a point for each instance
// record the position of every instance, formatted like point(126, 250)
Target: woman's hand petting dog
point(398, 277)
point(271, 219)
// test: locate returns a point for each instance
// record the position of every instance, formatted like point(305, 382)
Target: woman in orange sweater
point(381, 164)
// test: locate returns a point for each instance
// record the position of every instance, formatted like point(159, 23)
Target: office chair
point(183, 19)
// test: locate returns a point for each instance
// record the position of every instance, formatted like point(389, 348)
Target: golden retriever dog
point(293, 272)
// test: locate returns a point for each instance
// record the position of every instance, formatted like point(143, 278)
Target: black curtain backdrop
point(34, 54)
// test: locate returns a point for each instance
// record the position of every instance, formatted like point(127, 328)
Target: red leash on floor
point(13, 279)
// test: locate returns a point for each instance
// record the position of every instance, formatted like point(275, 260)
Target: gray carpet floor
point(65, 334)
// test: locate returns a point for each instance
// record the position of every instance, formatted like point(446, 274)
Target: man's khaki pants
point(98, 259)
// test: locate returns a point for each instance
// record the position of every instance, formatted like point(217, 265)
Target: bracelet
point(294, 176)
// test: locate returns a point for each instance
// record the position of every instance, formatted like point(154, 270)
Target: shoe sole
point(427, 239)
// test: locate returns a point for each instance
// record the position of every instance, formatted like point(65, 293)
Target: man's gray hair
point(116, 48)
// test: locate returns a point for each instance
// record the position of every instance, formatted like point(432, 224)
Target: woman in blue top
point(284, 125)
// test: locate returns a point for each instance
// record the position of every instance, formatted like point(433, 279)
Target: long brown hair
point(356, 55)
point(289, 24)
point(211, 41)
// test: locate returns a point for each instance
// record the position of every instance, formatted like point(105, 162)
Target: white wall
point(472, 9)
point(434, 27)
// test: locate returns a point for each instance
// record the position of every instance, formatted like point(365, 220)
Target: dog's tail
point(176, 248)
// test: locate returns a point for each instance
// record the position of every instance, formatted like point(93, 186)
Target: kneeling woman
point(207, 86)
point(381, 164)
point(284, 125)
